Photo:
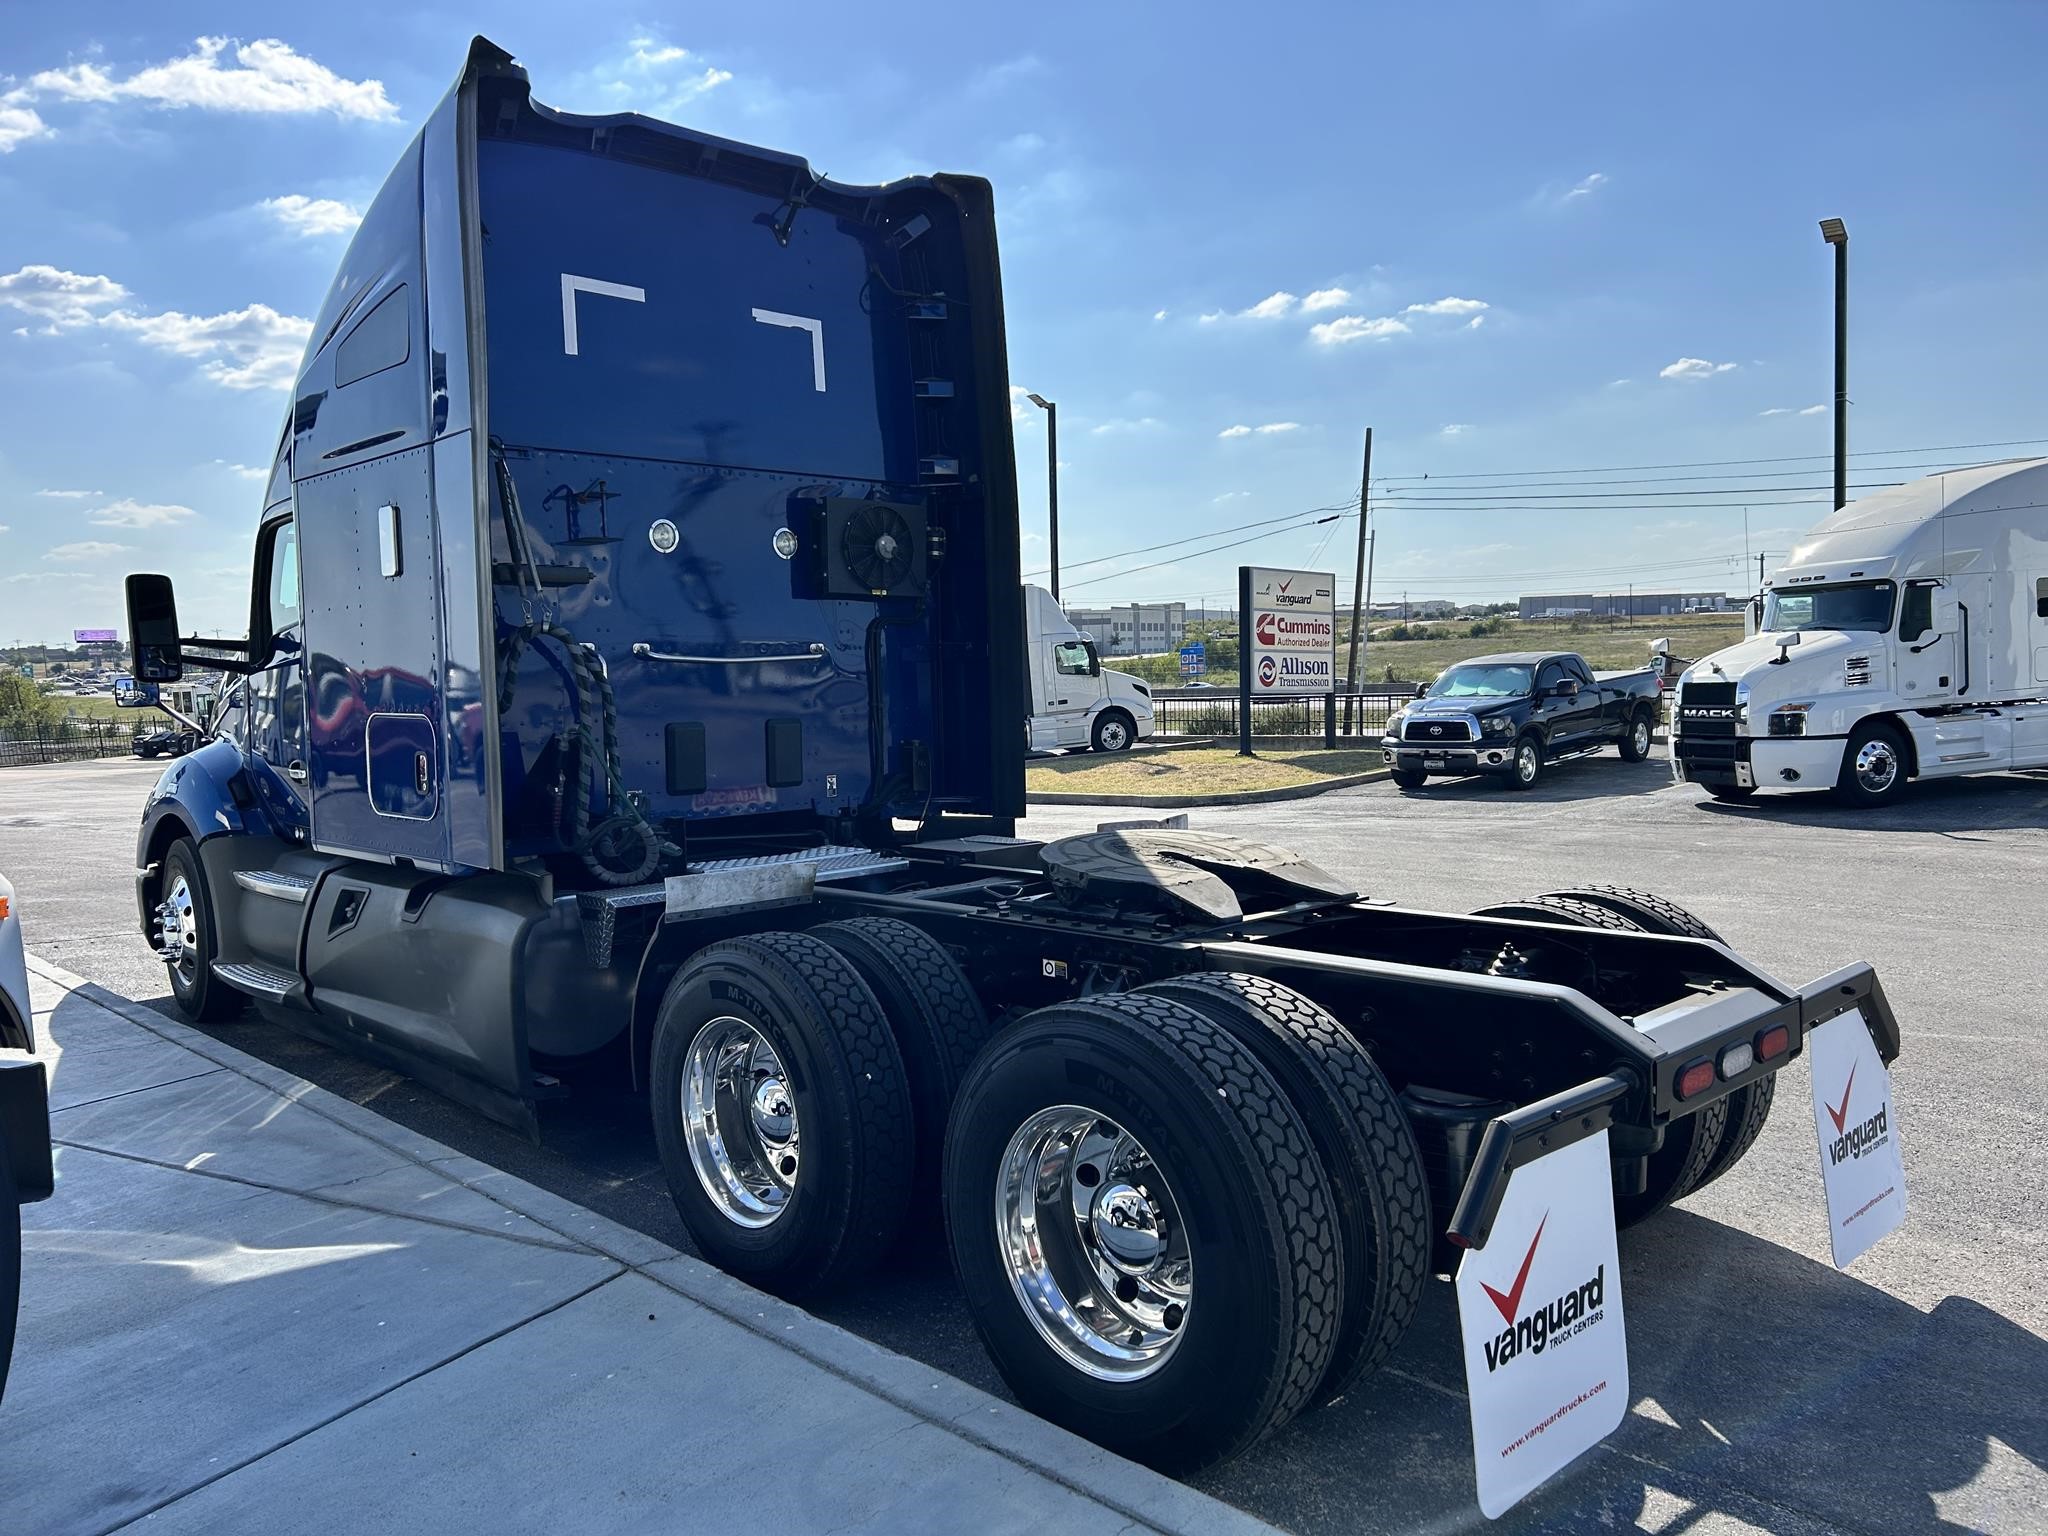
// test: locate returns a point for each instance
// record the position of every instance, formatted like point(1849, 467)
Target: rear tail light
point(1773, 1043)
point(1696, 1079)
point(1737, 1059)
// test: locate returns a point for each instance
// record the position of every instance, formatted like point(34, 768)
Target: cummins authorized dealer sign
point(1291, 620)
point(1546, 1357)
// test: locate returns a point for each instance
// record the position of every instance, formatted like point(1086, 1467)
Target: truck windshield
point(1489, 682)
point(1865, 605)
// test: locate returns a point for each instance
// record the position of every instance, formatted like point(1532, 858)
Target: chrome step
point(266, 882)
point(255, 978)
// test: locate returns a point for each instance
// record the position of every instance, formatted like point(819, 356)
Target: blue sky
point(1511, 238)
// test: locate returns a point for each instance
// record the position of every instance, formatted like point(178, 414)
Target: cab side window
point(1070, 658)
point(1574, 672)
point(1548, 677)
point(1916, 613)
point(284, 579)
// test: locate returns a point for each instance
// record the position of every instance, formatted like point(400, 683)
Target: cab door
point(1928, 654)
point(276, 697)
point(1072, 684)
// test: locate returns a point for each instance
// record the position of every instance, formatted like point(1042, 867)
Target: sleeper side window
point(381, 339)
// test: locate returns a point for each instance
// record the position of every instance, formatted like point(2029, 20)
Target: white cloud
point(1619, 383)
point(1120, 426)
point(4, 528)
point(1240, 430)
point(1325, 298)
point(1694, 368)
point(1158, 314)
point(37, 577)
point(1279, 426)
point(250, 348)
point(246, 471)
point(1777, 410)
point(89, 549)
point(136, 514)
point(1353, 328)
point(1217, 501)
point(58, 298)
point(1024, 143)
point(1271, 307)
point(1812, 410)
point(19, 123)
point(308, 216)
point(264, 76)
point(1586, 186)
point(1475, 322)
point(1021, 408)
point(1448, 307)
point(659, 63)
point(71, 495)
point(1457, 428)
point(1267, 430)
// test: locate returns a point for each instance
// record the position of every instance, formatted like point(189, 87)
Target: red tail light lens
point(1773, 1043)
point(1695, 1079)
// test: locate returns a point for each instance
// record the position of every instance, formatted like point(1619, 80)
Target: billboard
point(1291, 629)
point(94, 637)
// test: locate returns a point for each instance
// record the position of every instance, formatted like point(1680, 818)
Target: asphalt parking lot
point(1771, 1392)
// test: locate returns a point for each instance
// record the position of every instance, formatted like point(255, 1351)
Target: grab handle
point(642, 648)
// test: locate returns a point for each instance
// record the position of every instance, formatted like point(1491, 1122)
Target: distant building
point(1623, 604)
point(1133, 629)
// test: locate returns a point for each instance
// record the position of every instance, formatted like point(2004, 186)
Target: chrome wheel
point(739, 1121)
point(1639, 738)
point(178, 930)
point(1115, 736)
point(1877, 766)
point(1094, 1244)
point(1526, 762)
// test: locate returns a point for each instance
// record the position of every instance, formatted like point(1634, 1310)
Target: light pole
point(1052, 482)
point(1835, 233)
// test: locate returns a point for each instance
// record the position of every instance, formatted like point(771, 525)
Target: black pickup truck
point(1511, 714)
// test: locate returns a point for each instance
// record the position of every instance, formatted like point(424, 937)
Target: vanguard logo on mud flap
point(1543, 1326)
point(1857, 1131)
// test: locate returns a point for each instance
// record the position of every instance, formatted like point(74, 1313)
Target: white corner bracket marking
point(802, 323)
point(573, 285)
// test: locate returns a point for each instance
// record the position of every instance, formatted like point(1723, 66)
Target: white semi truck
point(1075, 700)
point(1906, 638)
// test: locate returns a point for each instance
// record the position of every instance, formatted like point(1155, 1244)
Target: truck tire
point(1748, 1108)
point(781, 1112)
point(1874, 760)
point(1679, 1166)
point(1566, 910)
point(10, 1263)
point(1208, 1203)
point(1652, 914)
point(1114, 731)
point(937, 1022)
point(1635, 738)
point(186, 918)
point(1527, 767)
point(1359, 1132)
point(1410, 778)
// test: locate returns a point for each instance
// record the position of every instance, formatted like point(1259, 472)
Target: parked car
point(1514, 714)
point(25, 1167)
point(166, 741)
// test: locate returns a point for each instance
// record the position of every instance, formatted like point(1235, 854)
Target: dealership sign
point(1860, 1164)
point(1539, 1308)
point(1291, 627)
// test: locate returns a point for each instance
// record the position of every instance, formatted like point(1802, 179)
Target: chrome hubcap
point(1876, 766)
point(739, 1120)
point(1525, 763)
point(178, 930)
point(1113, 737)
point(1093, 1242)
point(1642, 738)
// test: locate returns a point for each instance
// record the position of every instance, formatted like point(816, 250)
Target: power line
point(1506, 482)
point(1094, 581)
point(1196, 538)
point(1797, 458)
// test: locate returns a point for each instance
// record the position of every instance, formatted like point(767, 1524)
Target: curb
point(1152, 1500)
point(1240, 797)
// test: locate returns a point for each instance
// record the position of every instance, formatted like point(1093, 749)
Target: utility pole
point(1836, 233)
point(1371, 549)
point(1357, 580)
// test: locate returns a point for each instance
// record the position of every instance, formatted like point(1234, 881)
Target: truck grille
point(1434, 731)
point(1706, 709)
point(1712, 750)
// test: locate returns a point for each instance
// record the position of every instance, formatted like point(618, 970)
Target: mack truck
point(632, 692)
point(1904, 638)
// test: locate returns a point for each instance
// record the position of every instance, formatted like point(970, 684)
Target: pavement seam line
point(108, 1098)
point(567, 1245)
point(147, 1019)
point(335, 1418)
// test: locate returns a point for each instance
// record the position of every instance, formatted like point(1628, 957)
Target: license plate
point(1432, 762)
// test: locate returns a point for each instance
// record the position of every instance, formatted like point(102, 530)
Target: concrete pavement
point(255, 1306)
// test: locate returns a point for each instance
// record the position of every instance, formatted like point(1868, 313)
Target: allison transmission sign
point(1291, 630)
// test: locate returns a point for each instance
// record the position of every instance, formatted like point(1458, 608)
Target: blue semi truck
point(633, 689)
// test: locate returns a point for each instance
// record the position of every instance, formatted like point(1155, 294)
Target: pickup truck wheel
point(185, 939)
point(937, 1022)
point(1635, 741)
point(10, 1263)
point(1527, 767)
point(1410, 778)
point(1873, 766)
point(781, 1112)
point(1359, 1131)
point(1114, 731)
point(1142, 1229)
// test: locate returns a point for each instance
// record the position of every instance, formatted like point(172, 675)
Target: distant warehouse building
point(1620, 604)
point(1133, 629)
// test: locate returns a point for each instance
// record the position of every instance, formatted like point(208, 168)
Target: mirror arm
point(214, 643)
point(182, 718)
